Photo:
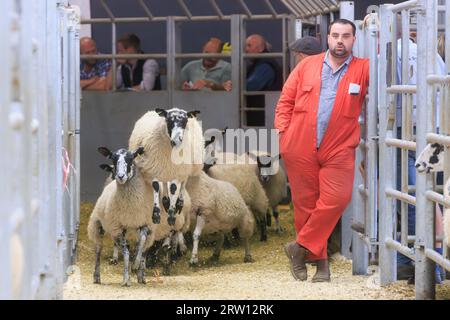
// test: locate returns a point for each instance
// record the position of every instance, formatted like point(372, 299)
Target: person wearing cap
point(317, 118)
point(305, 47)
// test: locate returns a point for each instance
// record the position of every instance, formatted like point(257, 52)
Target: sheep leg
point(121, 241)
point(180, 200)
point(141, 271)
point(263, 229)
point(143, 233)
point(115, 258)
point(166, 256)
point(156, 215)
point(196, 236)
point(268, 218)
point(248, 256)
point(218, 248)
point(276, 215)
point(181, 243)
point(98, 252)
point(174, 192)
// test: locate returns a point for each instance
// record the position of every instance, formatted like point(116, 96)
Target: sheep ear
point(193, 114)
point(161, 112)
point(104, 151)
point(138, 151)
point(106, 167)
point(224, 130)
point(252, 156)
point(208, 142)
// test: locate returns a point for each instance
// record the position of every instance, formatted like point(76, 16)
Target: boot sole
point(291, 267)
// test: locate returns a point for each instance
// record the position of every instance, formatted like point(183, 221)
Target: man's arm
point(99, 85)
point(87, 82)
point(150, 71)
point(286, 103)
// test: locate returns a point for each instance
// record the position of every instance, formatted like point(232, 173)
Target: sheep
point(217, 207)
point(237, 170)
point(431, 158)
point(124, 206)
point(273, 180)
point(173, 144)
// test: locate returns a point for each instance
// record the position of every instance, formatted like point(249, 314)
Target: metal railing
point(422, 252)
point(40, 103)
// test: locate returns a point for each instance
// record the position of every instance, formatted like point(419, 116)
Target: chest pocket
point(302, 98)
point(352, 105)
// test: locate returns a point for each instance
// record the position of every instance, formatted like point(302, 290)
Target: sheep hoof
point(214, 259)
point(166, 270)
point(113, 261)
point(126, 283)
point(193, 262)
point(279, 230)
point(248, 258)
point(263, 237)
point(141, 280)
point(97, 279)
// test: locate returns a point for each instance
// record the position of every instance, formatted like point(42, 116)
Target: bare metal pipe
point(216, 8)
point(403, 5)
point(271, 8)
point(438, 138)
point(146, 9)
point(402, 144)
point(438, 198)
point(185, 9)
point(400, 196)
point(436, 257)
point(390, 243)
point(124, 56)
point(246, 9)
point(263, 55)
point(107, 9)
point(402, 88)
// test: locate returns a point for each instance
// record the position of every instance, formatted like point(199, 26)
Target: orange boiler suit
point(321, 179)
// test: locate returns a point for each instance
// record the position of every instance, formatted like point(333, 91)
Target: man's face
point(89, 47)
point(253, 45)
point(120, 49)
point(210, 47)
point(341, 40)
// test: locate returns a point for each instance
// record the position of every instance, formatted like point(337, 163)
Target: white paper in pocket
point(353, 89)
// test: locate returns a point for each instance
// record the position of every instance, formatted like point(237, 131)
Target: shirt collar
point(346, 62)
point(218, 65)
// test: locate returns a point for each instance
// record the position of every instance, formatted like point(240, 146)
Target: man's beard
point(341, 54)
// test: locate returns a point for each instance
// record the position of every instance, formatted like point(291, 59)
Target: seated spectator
point(262, 74)
point(211, 73)
point(135, 74)
point(95, 74)
point(305, 47)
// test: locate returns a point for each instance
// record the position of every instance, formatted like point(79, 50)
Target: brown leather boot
point(323, 271)
point(297, 255)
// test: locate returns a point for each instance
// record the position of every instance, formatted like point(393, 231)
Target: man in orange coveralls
point(317, 118)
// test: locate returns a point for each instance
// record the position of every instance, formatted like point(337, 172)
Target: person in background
point(263, 74)
point(207, 73)
point(136, 74)
point(95, 74)
point(305, 47)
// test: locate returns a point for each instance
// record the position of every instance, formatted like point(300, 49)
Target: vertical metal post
point(387, 259)
point(323, 27)
point(236, 42)
point(243, 71)
point(426, 53)
point(114, 52)
point(171, 63)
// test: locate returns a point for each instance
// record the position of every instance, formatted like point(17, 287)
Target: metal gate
point(38, 129)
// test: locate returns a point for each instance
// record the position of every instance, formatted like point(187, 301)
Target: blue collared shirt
point(100, 69)
point(328, 89)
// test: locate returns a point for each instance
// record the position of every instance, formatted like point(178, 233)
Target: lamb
point(237, 170)
point(273, 180)
point(431, 158)
point(217, 207)
point(124, 206)
point(173, 147)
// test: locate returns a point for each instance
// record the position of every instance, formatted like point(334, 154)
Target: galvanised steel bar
point(426, 54)
point(387, 258)
point(390, 243)
point(146, 9)
point(217, 9)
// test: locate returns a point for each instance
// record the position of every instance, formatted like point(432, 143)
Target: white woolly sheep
point(124, 206)
point(431, 158)
point(173, 146)
point(273, 179)
point(237, 170)
point(217, 208)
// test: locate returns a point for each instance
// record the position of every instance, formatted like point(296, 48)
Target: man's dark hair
point(343, 21)
point(130, 40)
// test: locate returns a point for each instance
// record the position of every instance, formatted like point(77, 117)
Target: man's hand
point(227, 85)
point(186, 86)
point(88, 82)
point(200, 84)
